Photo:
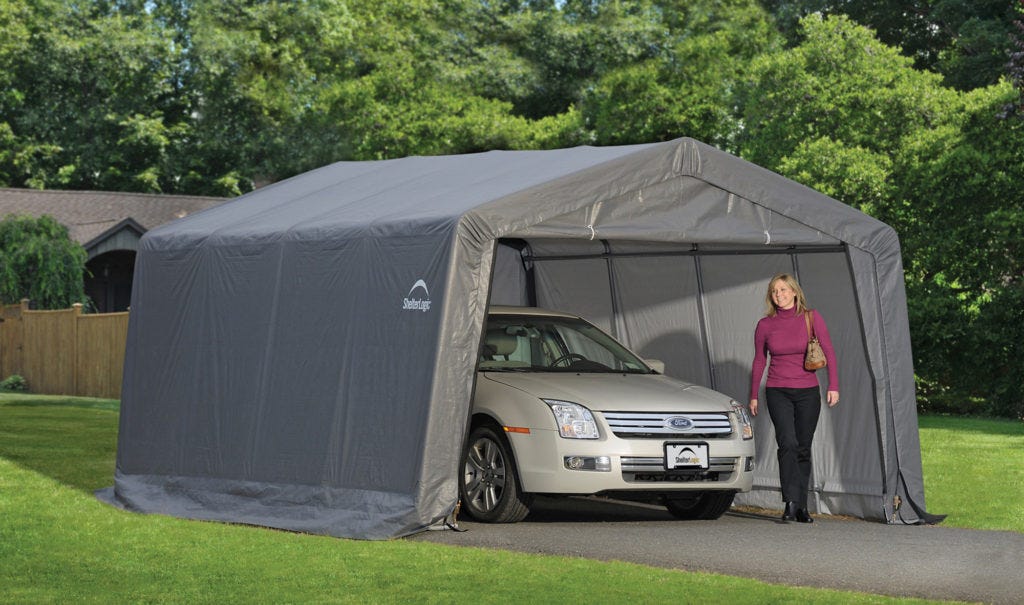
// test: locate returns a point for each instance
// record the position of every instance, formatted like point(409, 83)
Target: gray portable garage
point(304, 357)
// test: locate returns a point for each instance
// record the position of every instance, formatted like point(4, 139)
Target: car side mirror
point(656, 364)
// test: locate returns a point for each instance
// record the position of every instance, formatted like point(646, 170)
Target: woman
point(794, 401)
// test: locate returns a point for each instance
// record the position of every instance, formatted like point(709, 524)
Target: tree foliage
point(966, 253)
point(687, 88)
point(38, 261)
point(88, 101)
point(967, 42)
point(900, 109)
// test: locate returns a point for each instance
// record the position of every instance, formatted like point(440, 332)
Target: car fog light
point(749, 464)
point(588, 463)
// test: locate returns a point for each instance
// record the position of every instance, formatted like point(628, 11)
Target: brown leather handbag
point(814, 359)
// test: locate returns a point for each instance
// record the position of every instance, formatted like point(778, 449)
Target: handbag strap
point(810, 326)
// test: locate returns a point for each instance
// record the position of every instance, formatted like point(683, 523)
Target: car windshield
point(536, 343)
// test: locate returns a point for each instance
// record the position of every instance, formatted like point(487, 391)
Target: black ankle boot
point(803, 516)
point(789, 514)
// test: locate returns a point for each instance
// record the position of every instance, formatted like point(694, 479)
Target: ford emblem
point(679, 423)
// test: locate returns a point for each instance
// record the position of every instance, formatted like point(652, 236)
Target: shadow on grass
point(72, 441)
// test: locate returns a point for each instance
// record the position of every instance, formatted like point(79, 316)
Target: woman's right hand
point(753, 407)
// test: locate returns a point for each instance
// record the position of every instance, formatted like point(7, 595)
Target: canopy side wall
point(266, 409)
point(461, 324)
point(892, 366)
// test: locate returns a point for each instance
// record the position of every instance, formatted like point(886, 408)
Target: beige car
point(562, 408)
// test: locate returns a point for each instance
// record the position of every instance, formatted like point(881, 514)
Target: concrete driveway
point(931, 562)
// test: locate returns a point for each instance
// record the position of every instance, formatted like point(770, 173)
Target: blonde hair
point(801, 302)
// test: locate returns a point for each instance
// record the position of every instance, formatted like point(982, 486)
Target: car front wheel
point(489, 488)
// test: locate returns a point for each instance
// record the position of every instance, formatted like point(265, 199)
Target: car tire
point(489, 486)
point(706, 506)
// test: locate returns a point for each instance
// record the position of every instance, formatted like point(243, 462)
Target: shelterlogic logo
point(417, 304)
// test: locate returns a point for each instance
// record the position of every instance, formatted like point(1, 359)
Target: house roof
point(92, 216)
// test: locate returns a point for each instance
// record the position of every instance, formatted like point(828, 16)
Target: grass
point(58, 544)
point(974, 471)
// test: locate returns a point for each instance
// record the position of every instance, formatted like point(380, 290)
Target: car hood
point(616, 392)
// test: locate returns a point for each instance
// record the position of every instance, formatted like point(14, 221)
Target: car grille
point(638, 464)
point(651, 425)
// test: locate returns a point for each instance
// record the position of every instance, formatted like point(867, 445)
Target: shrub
point(14, 382)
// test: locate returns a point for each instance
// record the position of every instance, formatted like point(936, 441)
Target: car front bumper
point(633, 464)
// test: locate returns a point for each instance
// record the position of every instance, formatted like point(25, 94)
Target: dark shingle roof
point(90, 214)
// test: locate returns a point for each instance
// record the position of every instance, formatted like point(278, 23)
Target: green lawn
point(58, 544)
point(974, 471)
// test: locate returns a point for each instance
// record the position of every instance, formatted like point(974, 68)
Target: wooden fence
point(64, 352)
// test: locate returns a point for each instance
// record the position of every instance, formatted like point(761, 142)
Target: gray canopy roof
point(304, 357)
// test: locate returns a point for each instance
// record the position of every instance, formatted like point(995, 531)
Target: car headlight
point(746, 429)
point(574, 421)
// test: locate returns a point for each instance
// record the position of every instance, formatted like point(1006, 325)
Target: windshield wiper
point(508, 369)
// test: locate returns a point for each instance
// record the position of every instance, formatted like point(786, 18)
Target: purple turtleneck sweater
point(784, 337)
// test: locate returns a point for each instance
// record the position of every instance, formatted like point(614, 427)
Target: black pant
point(795, 414)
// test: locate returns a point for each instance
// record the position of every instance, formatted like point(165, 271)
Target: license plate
point(686, 455)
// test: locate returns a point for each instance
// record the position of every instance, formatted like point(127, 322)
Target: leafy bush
point(14, 382)
point(40, 262)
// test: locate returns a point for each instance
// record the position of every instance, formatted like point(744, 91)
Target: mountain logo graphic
point(419, 284)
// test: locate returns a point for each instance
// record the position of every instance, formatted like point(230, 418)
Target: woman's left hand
point(833, 398)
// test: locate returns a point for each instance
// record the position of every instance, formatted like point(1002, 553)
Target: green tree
point(685, 90)
point(260, 75)
point(87, 99)
point(862, 178)
point(203, 96)
point(962, 183)
point(399, 112)
point(1015, 68)
point(552, 53)
point(839, 84)
point(38, 261)
point(967, 42)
